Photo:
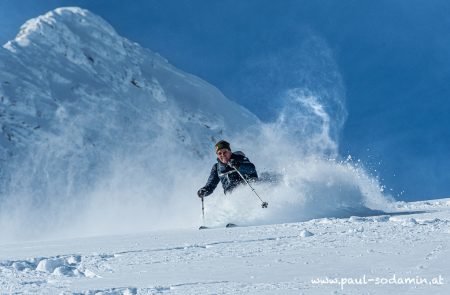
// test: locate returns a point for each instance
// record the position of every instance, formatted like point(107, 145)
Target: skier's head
point(222, 145)
point(223, 151)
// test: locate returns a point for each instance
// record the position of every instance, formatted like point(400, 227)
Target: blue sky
point(393, 58)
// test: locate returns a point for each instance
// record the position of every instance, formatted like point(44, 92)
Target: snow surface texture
point(403, 253)
point(101, 136)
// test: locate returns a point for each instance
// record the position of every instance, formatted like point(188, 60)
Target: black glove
point(202, 192)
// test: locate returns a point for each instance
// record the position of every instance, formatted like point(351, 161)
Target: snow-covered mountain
point(69, 72)
point(69, 63)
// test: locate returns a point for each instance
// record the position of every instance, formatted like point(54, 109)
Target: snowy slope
point(400, 253)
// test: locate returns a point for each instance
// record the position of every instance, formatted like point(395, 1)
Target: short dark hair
point(222, 145)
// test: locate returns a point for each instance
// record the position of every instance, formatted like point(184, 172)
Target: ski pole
point(263, 204)
point(203, 211)
point(203, 215)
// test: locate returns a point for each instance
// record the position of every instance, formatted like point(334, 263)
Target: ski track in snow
point(270, 259)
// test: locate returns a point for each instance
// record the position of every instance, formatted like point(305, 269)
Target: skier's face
point(224, 155)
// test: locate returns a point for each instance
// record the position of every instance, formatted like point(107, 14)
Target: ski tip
point(203, 227)
point(230, 225)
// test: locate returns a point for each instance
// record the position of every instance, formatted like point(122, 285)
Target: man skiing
point(225, 170)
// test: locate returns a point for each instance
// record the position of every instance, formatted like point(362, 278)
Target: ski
point(229, 225)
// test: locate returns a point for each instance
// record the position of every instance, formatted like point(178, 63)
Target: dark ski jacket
point(228, 176)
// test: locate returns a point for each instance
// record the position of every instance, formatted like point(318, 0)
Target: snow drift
point(100, 135)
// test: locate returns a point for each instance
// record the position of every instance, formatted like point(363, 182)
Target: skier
point(225, 170)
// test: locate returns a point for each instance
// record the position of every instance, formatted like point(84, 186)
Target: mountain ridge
point(71, 87)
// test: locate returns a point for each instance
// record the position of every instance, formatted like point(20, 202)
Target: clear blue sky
point(393, 57)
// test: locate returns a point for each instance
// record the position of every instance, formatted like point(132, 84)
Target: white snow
point(385, 254)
